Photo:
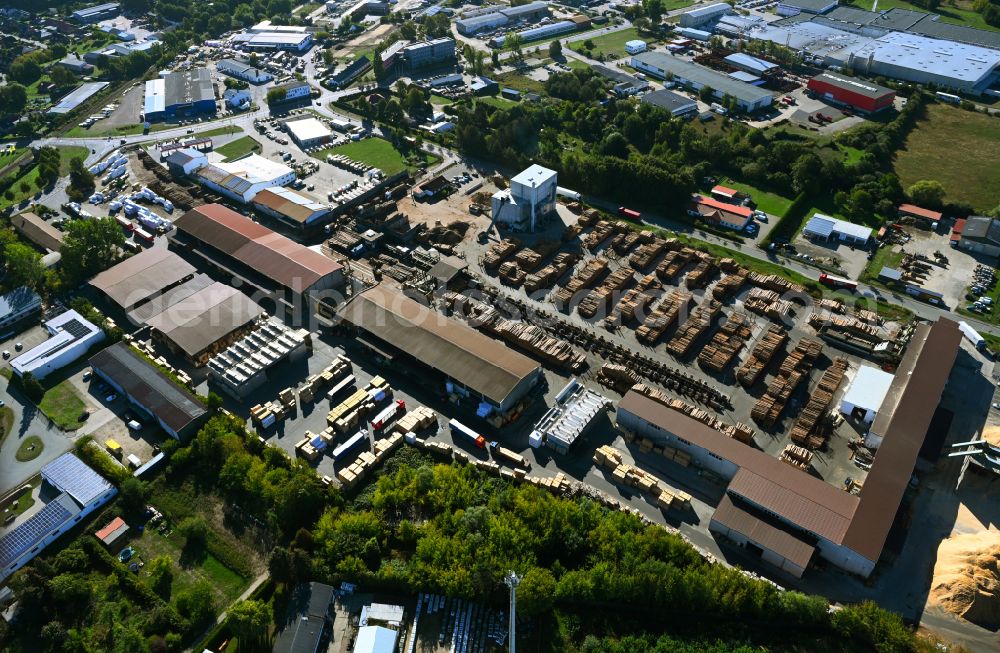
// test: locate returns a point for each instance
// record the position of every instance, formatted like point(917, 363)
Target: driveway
point(28, 420)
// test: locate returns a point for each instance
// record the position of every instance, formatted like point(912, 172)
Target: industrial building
point(203, 323)
point(481, 86)
point(70, 336)
point(242, 179)
point(865, 394)
point(306, 619)
point(635, 46)
point(290, 206)
point(141, 278)
point(530, 12)
point(543, 31)
point(273, 40)
point(469, 363)
point(80, 491)
point(724, 214)
point(856, 93)
point(796, 7)
point(76, 65)
point(179, 95)
point(244, 71)
point(242, 367)
point(96, 13)
point(375, 639)
point(575, 410)
point(980, 235)
point(428, 54)
point(753, 65)
point(114, 50)
point(823, 227)
point(530, 199)
point(705, 15)
point(293, 275)
point(76, 97)
point(923, 216)
point(38, 231)
point(294, 90)
point(308, 132)
point(152, 393)
point(785, 515)
point(678, 105)
point(20, 304)
point(748, 97)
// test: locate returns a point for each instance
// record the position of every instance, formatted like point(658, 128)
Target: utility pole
point(512, 580)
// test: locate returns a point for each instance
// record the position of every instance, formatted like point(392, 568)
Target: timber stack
point(551, 273)
point(819, 402)
point(585, 278)
point(794, 369)
point(662, 316)
point(727, 342)
point(696, 325)
point(499, 253)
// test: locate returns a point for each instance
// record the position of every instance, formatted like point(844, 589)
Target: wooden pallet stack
point(696, 325)
point(643, 257)
point(738, 431)
point(701, 274)
point(632, 476)
point(499, 253)
point(726, 343)
point(551, 273)
point(584, 278)
point(794, 369)
point(765, 349)
point(601, 232)
point(673, 263)
point(730, 285)
point(511, 274)
point(796, 457)
point(415, 420)
point(662, 316)
point(598, 299)
point(819, 402)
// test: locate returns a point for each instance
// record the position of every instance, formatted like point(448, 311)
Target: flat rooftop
point(308, 129)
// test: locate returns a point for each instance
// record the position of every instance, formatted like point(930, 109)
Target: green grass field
point(959, 149)
point(18, 195)
point(610, 46)
point(238, 148)
point(6, 422)
point(498, 102)
point(958, 12)
point(21, 501)
point(63, 406)
point(376, 152)
point(770, 203)
point(31, 448)
point(885, 257)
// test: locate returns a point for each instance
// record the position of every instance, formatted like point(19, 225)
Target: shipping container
point(125, 224)
point(341, 452)
point(463, 430)
point(388, 415)
point(629, 213)
point(837, 282)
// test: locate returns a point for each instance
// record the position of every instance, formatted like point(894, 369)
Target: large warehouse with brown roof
point(786, 514)
point(258, 257)
point(468, 359)
point(143, 277)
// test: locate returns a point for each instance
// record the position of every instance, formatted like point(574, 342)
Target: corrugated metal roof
point(290, 203)
point(38, 231)
point(142, 276)
point(285, 262)
point(69, 474)
point(771, 536)
point(148, 386)
point(201, 319)
point(474, 360)
point(868, 388)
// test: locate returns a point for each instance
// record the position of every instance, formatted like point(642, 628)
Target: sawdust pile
point(992, 434)
point(967, 579)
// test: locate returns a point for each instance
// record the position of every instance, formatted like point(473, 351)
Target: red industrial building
point(859, 94)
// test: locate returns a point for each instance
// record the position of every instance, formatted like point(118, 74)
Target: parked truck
point(631, 214)
point(457, 428)
point(837, 283)
point(977, 340)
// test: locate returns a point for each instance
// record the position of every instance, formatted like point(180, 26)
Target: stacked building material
point(530, 259)
point(767, 303)
point(662, 316)
point(589, 217)
point(499, 253)
point(739, 431)
point(619, 378)
point(632, 476)
point(584, 278)
point(831, 305)
point(625, 241)
point(415, 420)
point(847, 324)
point(634, 302)
point(551, 273)
point(732, 266)
point(794, 369)
point(511, 274)
point(726, 343)
point(729, 285)
point(701, 274)
point(819, 402)
point(601, 232)
point(774, 282)
point(695, 326)
point(796, 457)
point(512, 457)
point(599, 298)
point(643, 257)
point(673, 263)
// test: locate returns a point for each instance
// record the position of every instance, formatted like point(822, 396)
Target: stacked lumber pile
point(551, 272)
point(831, 305)
point(773, 340)
point(649, 281)
point(673, 263)
point(511, 274)
point(531, 259)
point(774, 282)
point(599, 298)
point(643, 257)
point(625, 241)
point(617, 377)
point(584, 278)
point(512, 457)
point(696, 325)
point(537, 342)
point(739, 431)
point(635, 300)
point(632, 476)
point(729, 285)
point(819, 402)
point(794, 369)
point(726, 343)
point(796, 457)
point(589, 217)
point(731, 266)
point(701, 274)
point(768, 303)
point(871, 317)
point(415, 420)
point(367, 460)
point(662, 316)
point(601, 232)
point(498, 253)
point(847, 324)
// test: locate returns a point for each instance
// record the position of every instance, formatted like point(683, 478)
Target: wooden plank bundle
point(738, 431)
point(511, 274)
point(673, 263)
point(726, 343)
point(662, 316)
point(729, 285)
point(846, 324)
point(601, 232)
point(624, 242)
point(701, 274)
point(551, 272)
point(819, 402)
point(796, 457)
point(589, 217)
point(531, 259)
point(696, 325)
point(767, 346)
point(634, 301)
point(599, 298)
point(767, 303)
point(534, 340)
point(774, 282)
point(498, 253)
point(793, 370)
point(415, 420)
point(643, 257)
point(584, 278)
point(617, 377)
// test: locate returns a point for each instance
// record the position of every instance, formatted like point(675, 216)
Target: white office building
point(243, 179)
point(823, 227)
point(530, 198)
point(244, 71)
point(635, 46)
point(705, 15)
point(70, 336)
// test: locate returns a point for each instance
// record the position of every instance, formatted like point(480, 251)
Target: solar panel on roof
point(20, 540)
point(75, 328)
point(71, 475)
